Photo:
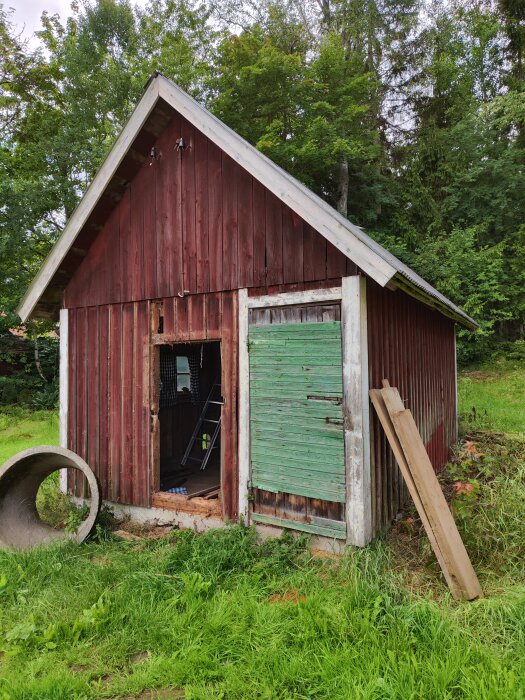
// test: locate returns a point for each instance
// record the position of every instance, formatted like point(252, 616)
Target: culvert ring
point(20, 478)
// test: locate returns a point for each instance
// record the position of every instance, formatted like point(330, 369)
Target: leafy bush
point(21, 381)
point(489, 501)
point(46, 398)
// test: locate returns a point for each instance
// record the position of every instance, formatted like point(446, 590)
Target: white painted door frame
point(356, 411)
point(63, 388)
point(352, 296)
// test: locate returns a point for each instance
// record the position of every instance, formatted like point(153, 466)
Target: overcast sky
point(27, 12)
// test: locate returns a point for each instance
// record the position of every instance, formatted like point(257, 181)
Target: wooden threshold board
point(181, 503)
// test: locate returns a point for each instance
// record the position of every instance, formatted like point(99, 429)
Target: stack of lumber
point(418, 473)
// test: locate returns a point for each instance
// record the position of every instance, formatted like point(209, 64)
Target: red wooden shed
point(220, 328)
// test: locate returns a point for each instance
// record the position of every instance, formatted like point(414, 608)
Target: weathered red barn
point(220, 328)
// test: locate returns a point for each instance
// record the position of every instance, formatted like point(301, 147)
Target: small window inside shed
point(183, 374)
point(190, 401)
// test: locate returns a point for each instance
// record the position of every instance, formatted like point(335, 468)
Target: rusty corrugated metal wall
point(414, 348)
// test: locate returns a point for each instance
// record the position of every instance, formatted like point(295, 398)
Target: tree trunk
point(37, 361)
point(342, 190)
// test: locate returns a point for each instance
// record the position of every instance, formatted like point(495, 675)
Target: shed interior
point(190, 417)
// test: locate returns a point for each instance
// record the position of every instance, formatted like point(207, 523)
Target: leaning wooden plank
point(434, 503)
point(384, 417)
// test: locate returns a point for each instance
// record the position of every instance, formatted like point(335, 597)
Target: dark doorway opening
point(190, 402)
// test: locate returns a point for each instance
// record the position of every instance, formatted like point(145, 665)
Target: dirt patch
point(101, 561)
point(291, 596)
point(479, 375)
point(145, 531)
point(78, 668)
point(162, 694)
point(322, 554)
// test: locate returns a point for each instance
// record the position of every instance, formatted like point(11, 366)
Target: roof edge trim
point(89, 200)
point(413, 290)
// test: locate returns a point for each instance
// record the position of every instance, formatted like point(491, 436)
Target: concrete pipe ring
point(20, 479)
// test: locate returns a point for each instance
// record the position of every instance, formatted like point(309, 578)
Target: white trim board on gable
point(373, 259)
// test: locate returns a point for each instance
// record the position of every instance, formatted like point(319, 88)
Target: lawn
point(21, 428)
point(493, 397)
point(224, 616)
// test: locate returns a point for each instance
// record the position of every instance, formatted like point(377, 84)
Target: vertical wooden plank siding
point(63, 375)
point(92, 385)
point(296, 414)
point(186, 164)
point(82, 395)
point(271, 505)
point(149, 230)
point(230, 238)
point(229, 453)
point(413, 347)
point(214, 174)
point(202, 214)
point(71, 391)
point(193, 221)
point(109, 357)
point(108, 417)
point(103, 404)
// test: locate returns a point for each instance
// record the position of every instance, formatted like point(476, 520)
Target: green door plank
point(296, 416)
point(329, 528)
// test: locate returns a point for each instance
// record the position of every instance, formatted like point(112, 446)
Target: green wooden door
point(296, 415)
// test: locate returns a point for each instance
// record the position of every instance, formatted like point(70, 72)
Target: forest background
point(408, 116)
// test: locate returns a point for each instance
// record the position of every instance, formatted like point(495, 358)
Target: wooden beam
point(244, 407)
point(384, 417)
point(355, 411)
point(63, 389)
point(312, 296)
point(453, 552)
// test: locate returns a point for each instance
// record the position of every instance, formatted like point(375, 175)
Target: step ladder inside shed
point(207, 429)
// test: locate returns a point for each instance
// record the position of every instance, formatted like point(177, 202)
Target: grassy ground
point(223, 616)
point(21, 428)
point(493, 397)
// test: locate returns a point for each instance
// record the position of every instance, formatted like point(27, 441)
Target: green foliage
point(29, 371)
point(463, 268)
point(409, 122)
point(489, 513)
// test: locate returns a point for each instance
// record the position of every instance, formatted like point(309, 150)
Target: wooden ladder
point(214, 399)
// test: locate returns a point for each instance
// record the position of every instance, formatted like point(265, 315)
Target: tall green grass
point(492, 397)
point(223, 616)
